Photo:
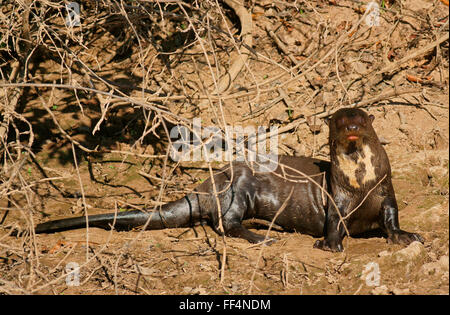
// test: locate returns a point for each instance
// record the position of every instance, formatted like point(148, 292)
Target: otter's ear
point(371, 118)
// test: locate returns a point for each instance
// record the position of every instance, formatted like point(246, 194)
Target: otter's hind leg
point(235, 200)
point(233, 208)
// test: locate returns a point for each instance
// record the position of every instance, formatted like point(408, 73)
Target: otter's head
point(350, 128)
point(355, 151)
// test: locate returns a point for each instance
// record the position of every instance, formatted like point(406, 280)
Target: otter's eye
point(360, 120)
point(341, 122)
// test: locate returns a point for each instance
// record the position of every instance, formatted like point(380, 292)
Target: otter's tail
point(181, 213)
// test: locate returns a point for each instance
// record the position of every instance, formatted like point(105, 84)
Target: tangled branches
point(113, 86)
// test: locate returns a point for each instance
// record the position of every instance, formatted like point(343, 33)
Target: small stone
point(397, 291)
point(359, 67)
point(271, 13)
point(437, 267)
point(384, 253)
point(412, 252)
point(381, 290)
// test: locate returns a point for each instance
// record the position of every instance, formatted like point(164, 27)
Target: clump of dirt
point(145, 68)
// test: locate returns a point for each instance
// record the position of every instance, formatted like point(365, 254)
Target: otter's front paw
point(325, 245)
point(403, 237)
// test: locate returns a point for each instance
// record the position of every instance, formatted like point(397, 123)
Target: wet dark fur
point(246, 194)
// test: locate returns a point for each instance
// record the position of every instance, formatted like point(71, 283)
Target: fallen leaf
point(412, 78)
point(352, 33)
point(256, 15)
point(57, 246)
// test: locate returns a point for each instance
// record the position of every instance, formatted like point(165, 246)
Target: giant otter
point(358, 180)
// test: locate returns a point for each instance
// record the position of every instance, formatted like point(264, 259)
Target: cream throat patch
point(360, 171)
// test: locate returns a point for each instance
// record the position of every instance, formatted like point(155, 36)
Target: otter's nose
point(352, 127)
